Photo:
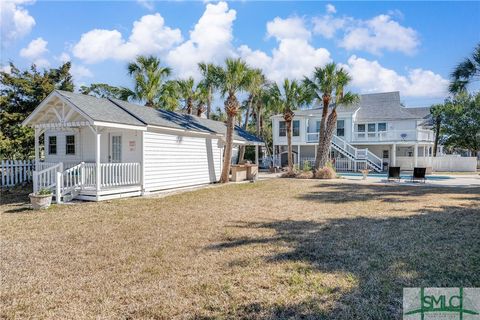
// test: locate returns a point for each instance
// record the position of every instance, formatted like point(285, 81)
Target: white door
point(115, 148)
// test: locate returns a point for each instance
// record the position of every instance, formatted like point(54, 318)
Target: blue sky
point(406, 46)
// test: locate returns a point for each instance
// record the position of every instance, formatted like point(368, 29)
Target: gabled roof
point(382, 106)
point(118, 111)
point(99, 109)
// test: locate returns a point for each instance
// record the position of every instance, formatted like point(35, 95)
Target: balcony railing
point(394, 135)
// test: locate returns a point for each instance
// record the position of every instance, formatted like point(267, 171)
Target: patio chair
point(419, 174)
point(393, 173)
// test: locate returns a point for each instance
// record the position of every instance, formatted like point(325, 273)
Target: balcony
point(394, 135)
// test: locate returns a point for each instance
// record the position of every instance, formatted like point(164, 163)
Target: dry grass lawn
point(275, 249)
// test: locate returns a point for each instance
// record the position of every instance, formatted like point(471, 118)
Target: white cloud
point(7, 69)
point(381, 33)
point(63, 57)
point(15, 20)
point(35, 49)
point(146, 4)
point(331, 8)
point(80, 72)
point(294, 57)
point(149, 36)
point(290, 28)
point(327, 25)
point(210, 40)
point(370, 76)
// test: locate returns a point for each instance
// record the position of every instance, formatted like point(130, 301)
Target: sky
point(385, 46)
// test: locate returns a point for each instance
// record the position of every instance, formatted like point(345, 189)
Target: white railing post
point(58, 189)
point(35, 181)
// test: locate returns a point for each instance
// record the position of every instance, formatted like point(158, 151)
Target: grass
point(282, 248)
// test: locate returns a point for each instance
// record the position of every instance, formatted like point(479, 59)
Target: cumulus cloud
point(331, 8)
point(381, 33)
point(149, 36)
point(294, 57)
point(80, 72)
point(7, 69)
point(210, 40)
point(35, 51)
point(15, 20)
point(370, 76)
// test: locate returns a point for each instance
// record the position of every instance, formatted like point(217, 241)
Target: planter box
point(40, 201)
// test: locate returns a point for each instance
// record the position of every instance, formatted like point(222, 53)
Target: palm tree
point(201, 97)
point(186, 91)
point(149, 76)
point(257, 81)
point(169, 96)
point(289, 98)
point(234, 77)
point(209, 73)
point(342, 78)
point(327, 85)
point(466, 71)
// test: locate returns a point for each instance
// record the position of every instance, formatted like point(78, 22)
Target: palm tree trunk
point(189, 106)
point(231, 108)
point(331, 122)
point(241, 155)
point(437, 135)
point(322, 151)
point(209, 102)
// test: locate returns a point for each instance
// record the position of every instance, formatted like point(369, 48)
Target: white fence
point(443, 163)
point(15, 172)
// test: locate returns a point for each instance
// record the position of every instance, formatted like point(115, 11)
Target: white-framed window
point(382, 126)
point(296, 128)
point(70, 144)
point(52, 145)
point(282, 129)
point(341, 128)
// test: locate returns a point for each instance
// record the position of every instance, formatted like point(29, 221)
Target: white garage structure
point(96, 149)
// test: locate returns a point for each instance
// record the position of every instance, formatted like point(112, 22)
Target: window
point(70, 144)
point(360, 127)
point(385, 154)
point(382, 126)
point(282, 129)
point(371, 127)
point(318, 126)
point(52, 145)
point(296, 128)
point(341, 128)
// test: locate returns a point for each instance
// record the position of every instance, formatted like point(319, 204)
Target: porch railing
point(119, 174)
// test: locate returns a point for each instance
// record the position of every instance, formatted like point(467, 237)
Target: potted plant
point(365, 173)
point(41, 199)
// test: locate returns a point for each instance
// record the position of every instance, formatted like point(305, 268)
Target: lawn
point(274, 249)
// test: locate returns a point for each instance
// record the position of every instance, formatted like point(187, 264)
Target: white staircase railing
point(46, 178)
point(72, 178)
point(357, 155)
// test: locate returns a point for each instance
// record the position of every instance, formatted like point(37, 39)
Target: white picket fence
point(15, 172)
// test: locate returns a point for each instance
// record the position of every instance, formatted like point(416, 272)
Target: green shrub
point(326, 172)
point(44, 192)
point(307, 166)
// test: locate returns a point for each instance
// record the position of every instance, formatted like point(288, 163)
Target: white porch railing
point(394, 135)
point(119, 174)
point(72, 178)
point(46, 178)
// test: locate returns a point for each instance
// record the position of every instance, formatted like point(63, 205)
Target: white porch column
point(256, 155)
point(415, 155)
point(37, 147)
point(97, 161)
point(394, 155)
point(298, 156)
point(273, 155)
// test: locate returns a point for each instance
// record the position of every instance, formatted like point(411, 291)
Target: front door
point(115, 148)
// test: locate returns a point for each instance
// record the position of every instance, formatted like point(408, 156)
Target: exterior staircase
point(363, 156)
point(64, 184)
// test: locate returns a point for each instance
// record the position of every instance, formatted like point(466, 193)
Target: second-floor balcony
point(384, 136)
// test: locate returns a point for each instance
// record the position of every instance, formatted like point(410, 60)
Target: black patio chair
point(393, 173)
point(419, 174)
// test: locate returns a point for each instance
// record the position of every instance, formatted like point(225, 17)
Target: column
point(97, 161)
point(273, 155)
point(256, 155)
point(298, 157)
point(393, 161)
point(37, 147)
point(415, 155)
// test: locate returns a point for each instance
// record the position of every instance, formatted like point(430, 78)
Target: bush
point(307, 166)
point(289, 174)
point(44, 192)
point(326, 172)
point(305, 175)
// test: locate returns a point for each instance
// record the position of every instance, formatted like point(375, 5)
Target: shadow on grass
point(434, 248)
point(15, 195)
point(345, 192)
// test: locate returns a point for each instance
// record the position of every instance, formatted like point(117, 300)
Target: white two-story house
point(377, 132)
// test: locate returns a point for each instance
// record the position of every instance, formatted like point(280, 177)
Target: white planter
point(40, 201)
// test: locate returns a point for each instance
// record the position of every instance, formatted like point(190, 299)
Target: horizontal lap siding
point(179, 161)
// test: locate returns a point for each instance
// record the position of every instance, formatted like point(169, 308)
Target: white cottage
point(96, 149)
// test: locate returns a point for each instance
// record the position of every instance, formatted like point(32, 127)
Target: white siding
point(173, 161)
point(60, 156)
